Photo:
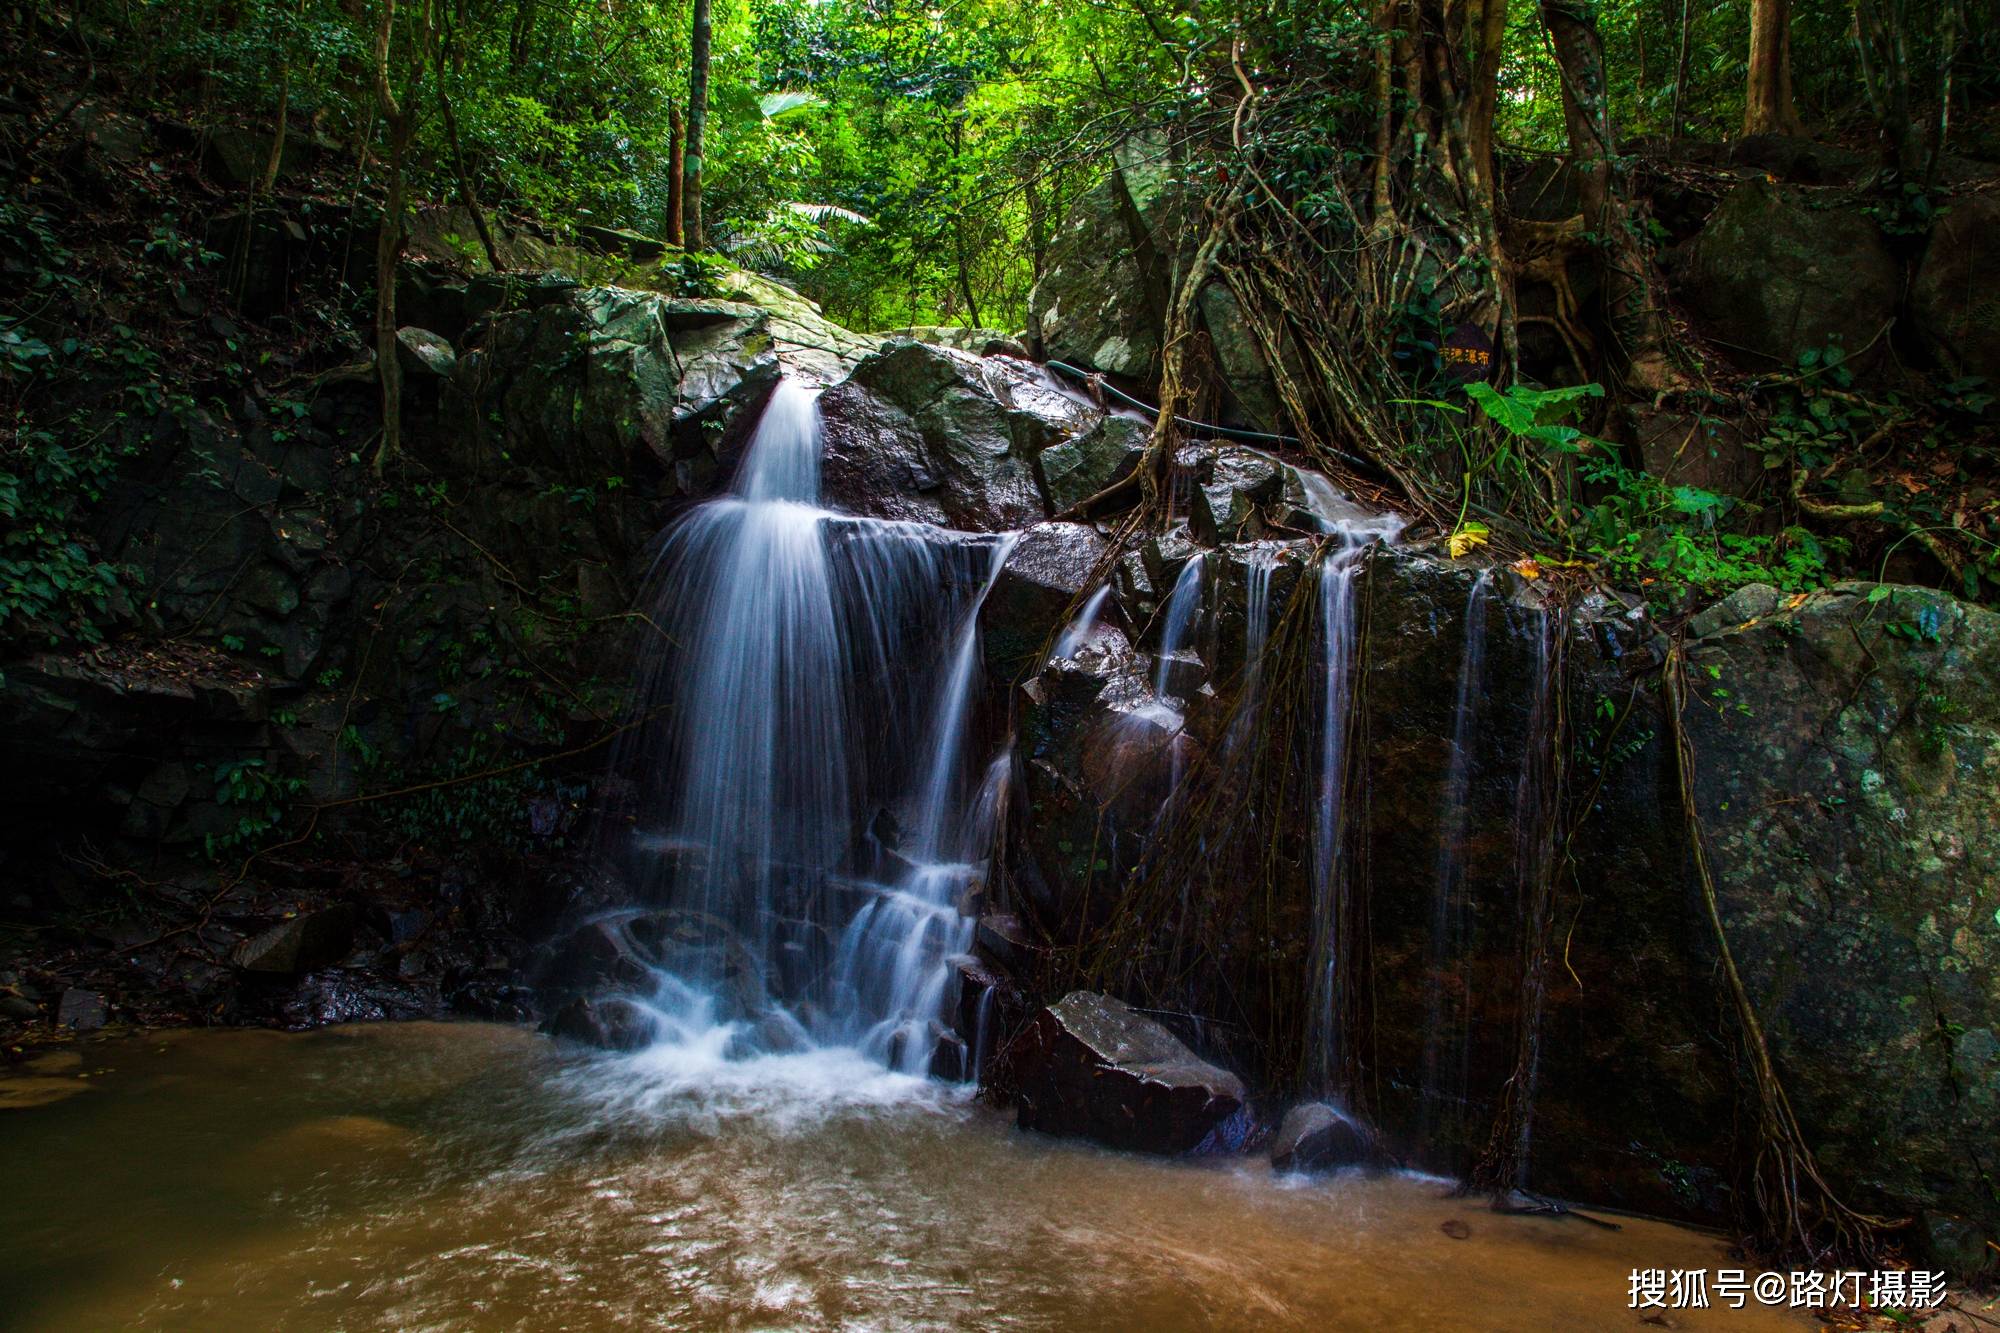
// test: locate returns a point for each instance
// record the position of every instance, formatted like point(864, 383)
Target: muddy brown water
point(468, 1176)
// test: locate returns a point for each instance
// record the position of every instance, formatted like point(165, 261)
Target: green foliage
point(257, 796)
point(1674, 539)
point(51, 585)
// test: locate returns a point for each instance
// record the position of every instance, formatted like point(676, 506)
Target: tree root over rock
point(1797, 1209)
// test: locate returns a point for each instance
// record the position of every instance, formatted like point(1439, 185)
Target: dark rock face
point(80, 1010)
point(629, 383)
point(608, 1024)
point(929, 433)
point(303, 944)
point(1774, 277)
point(1955, 301)
point(1091, 1067)
point(1319, 1137)
point(1866, 926)
point(1049, 569)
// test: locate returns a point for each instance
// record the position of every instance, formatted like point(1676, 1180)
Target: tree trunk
point(1767, 92)
point(1483, 98)
point(466, 195)
point(1634, 314)
point(676, 165)
point(399, 118)
point(697, 123)
point(1681, 70)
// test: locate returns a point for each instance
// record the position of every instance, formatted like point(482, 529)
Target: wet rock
point(424, 353)
point(987, 1010)
point(1319, 1137)
point(1774, 277)
point(327, 998)
point(1955, 301)
point(303, 944)
point(80, 1010)
point(980, 342)
point(1089, 1066)
point(1051, 567)
point(928, 433)
point(1077, 469)
point(605, 951)
point(609, 1024)
point(603, 381)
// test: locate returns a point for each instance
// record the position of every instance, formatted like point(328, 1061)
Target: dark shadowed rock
point(603, 951)
point(1091, 1067)
point(925, 432)
point(1319, 1137)
point(80, 1010)
point(302, 944)
point(609, 1024)
point(1052, 566)
point(425, 353)
point(1955, 300)
point(620, 382)
point(1773, 277)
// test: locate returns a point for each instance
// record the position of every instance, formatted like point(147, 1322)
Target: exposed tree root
point(1797, 1209)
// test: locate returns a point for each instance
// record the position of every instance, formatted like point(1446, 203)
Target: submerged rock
point(302, 944)
point(1091, 1067)
point(1319, 1137)
point(610, 1024)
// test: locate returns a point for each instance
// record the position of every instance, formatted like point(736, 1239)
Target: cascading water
point(892, 955)
point(812, 851)
point(1078, 632)
point(1331, 946)
point(1183, 606)
point(1448, 1017)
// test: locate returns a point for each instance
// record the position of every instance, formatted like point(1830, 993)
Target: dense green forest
point(1365, 179)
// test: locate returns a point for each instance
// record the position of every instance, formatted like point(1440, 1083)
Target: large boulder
point(1772, 276)
point(1090, 1066)
point(1052, 567)
point(618, 382)
point(1101, 302)
point(1077, 469)
point(937, 435)
point(1848, 751)
point(1955, 301)
point(1317, 1136)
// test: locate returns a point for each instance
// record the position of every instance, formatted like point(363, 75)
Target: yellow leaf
point(1528, 568)
point(1468, 536)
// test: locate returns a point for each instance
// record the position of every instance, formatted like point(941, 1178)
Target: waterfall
point(1448, 1016)
point(810, 811)
point(1079, 630)
point(892, 955)
point(1182, 608)
point(1537, 815)
point(1326, 1056)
